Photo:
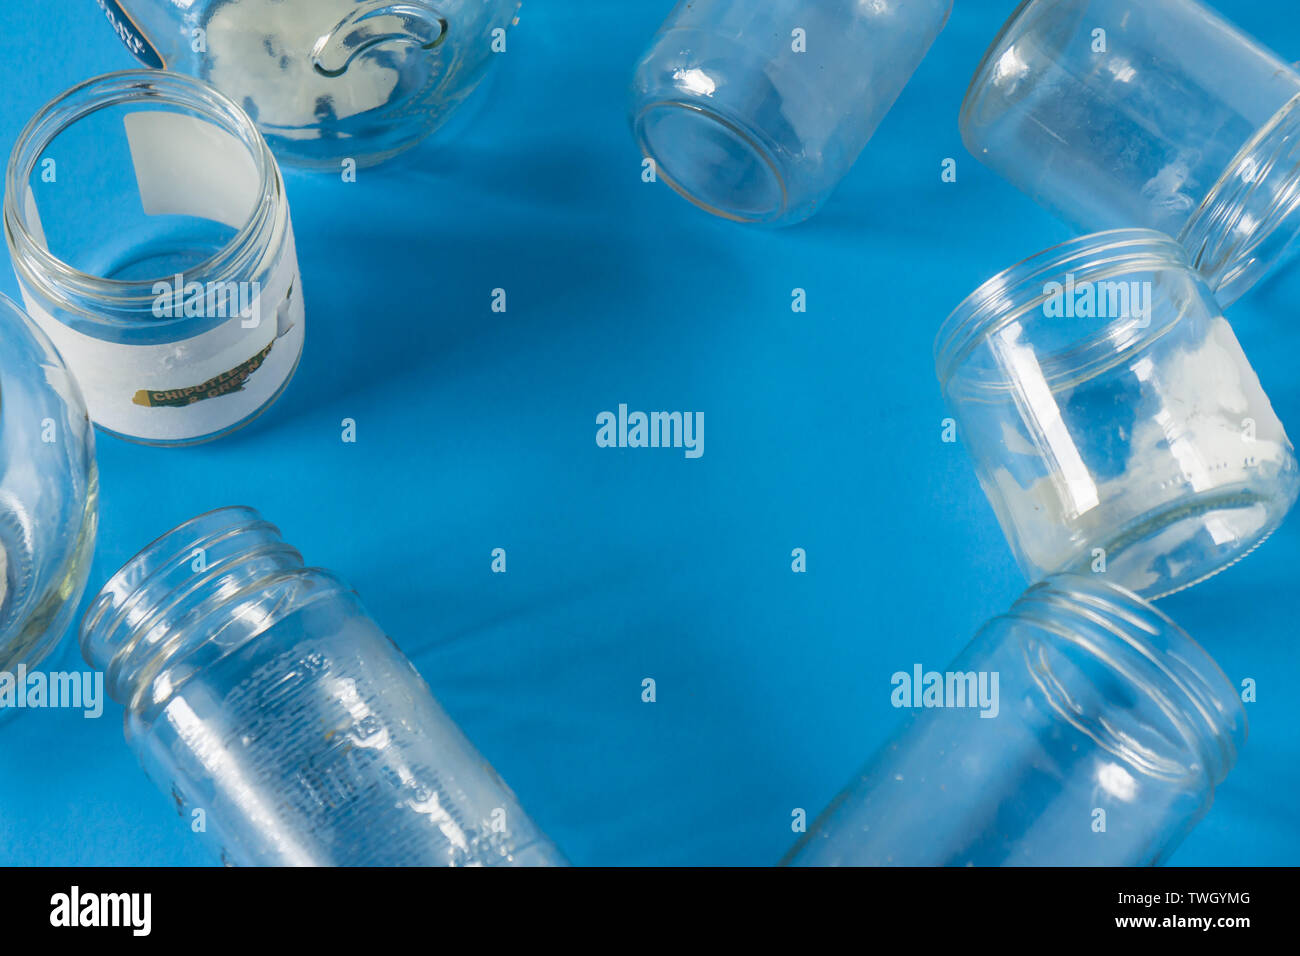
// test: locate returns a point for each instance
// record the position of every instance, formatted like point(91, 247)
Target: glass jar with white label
point(261, 696)
point(1114, 420)
point(1081, 728)
point(48, 495)
point(326, 81)
point(150, 232)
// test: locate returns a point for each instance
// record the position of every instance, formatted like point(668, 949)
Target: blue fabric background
point(476, 431)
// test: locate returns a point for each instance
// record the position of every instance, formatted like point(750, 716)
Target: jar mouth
point(1093, 626)
point(1251, 216)
point(56, 278)
point(118, 632)
point(690, 143)
point(1027, 286)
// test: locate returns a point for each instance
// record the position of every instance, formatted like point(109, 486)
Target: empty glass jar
point(326, 80)
point(48, 493)
point(755, 112)
point(1156, 113)
point(1114, 422)
point(1100, 742)
point(262, 697)
point(149, 228)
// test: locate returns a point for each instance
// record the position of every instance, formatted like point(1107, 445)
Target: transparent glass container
point(756, 111)
point(261, 693)
point(48, 493)
point(1154, 113)
point(1112, 417)
point(1112, 730)
point(326, 80)
point(149, 229)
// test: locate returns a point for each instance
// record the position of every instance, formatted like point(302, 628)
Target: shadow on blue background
point(476, 431)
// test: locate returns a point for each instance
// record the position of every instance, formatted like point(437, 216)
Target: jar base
point(1181, 544)
point(712, 161)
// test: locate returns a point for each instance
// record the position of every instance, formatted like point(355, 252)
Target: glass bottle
point(326, 80)
point(1155, 113)
point(1114, 421)
point(261, 693)
point(755, 112)
point(150, 232)
point(1097, 735)
point(48, 493)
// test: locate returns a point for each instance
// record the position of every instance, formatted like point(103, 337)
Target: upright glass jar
point(261, 693)
point(149, 228)
point(48, 493)
point(326, 80)
point(1083, 728)
point(1114, 421)
point(755, 112)
point(1156, 113)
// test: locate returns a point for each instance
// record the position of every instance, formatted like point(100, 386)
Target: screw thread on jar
point(145, 618)
point(1248, 220)
point(1149, 656)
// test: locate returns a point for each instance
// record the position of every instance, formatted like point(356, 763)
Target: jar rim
point(1148, 650)
point(1253, 201)
point(1016, 290)
point(52, 276)
point(115, 631)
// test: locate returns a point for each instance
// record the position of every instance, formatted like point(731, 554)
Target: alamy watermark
point(133, 911)
point(1098, 300)
point(626, 429)
point(209, 300)
point(40, 690)
point(922, 688)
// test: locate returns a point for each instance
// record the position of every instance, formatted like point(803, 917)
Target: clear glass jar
point(48, 493)
point(755, 112)
point(261, 693)
point(149, 229)
point(1113, 419)
point(326, 80)
point(1107, 732)
point(1155, 113)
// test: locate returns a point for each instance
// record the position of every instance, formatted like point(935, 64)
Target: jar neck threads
point(1251, 216)
point(1125, 674)
point(196, 594)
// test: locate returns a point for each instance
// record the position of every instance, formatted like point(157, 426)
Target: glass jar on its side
point(149, 229)
point(1113, 419)
point(1092, 732)
point(1155, 113)
point(755, 112)
point(262, 693)
point(48, 494)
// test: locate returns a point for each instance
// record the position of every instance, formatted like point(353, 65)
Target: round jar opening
point(1250, 219)
point(1128, 677)
point(130, 180)
point(713, 161)
point(148, 609)
point(1079, 306)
